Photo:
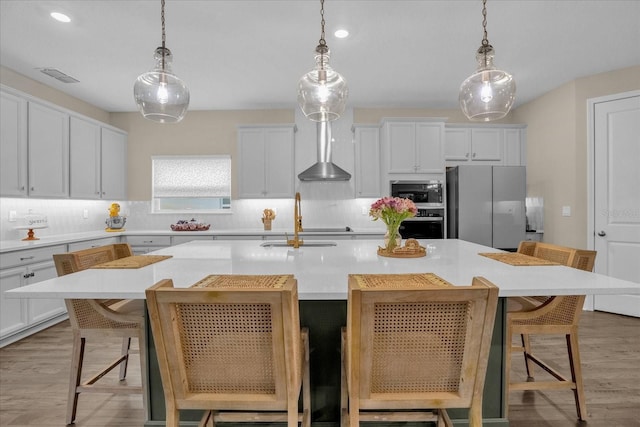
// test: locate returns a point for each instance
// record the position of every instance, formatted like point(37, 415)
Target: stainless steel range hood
point(324, 169)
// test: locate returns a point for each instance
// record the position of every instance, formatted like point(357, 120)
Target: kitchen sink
point(327, 230)
point(280, 244)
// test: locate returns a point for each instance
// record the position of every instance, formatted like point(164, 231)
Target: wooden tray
point(135, 261)
point(517, 259)
point(411, 249)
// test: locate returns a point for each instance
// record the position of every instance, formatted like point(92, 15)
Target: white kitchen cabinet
point(98, 161)
point(13, 145)
point(486, 145)
point(22, 316)
point(113, 154)
point(93, 243)
point(145, 244)
point(48, 135)
point(413, 147)
point(266, 161)
point(367, 165)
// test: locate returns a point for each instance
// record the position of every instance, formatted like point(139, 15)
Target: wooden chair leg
point(526, 344)
point(172, 418)
point(344, 396)
point(75, 377)
point(306, 381)
point(576, 374)
point(126, 346)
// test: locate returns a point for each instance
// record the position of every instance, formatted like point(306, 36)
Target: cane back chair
point(550, 315)
point(95, 319)
point(232, 346)
point(415, 345)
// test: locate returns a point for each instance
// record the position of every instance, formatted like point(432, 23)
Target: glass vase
point(392, 238)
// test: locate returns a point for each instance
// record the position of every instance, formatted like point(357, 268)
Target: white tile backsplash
point(324, 204)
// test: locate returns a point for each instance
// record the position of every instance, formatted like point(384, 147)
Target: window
point(194, 184)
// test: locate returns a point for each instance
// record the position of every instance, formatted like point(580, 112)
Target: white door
point(616, 197)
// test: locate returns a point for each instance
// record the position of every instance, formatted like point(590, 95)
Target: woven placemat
point(243, 281)
point(135, 261)
point(517, 259)
point(396, 281)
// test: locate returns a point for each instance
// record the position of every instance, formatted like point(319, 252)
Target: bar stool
point(554, 315)
point(96, 319)
point(414, 342)
point(232, 346)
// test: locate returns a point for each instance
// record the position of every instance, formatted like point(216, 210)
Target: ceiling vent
point(58, 75)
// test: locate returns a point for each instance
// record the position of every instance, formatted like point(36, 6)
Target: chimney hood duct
point(324, 169)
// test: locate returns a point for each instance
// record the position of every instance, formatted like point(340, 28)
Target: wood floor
point(34, 379)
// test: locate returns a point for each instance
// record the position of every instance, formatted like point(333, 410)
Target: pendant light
point(488, 94)
point(322, 92)
point(161, 96)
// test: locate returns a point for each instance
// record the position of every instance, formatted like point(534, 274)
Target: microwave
point(423, 193)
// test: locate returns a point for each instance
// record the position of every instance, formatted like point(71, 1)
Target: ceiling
point(250, 54)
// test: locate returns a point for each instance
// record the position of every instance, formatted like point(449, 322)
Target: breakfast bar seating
point(232, 345)
point(414, 346)
point(94, 319)
point(552, 315)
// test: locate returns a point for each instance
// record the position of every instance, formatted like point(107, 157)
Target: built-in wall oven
point(429, 199)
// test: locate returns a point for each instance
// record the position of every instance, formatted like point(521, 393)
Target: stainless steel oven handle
point(426, 218)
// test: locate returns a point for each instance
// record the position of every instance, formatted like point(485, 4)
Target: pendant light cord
point(485, 39)
point(163, 33)
point(322, 47)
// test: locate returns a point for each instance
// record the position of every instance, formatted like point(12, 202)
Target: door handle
point(602, 234)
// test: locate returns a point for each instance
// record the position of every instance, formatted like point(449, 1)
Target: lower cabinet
point(144, 244)
point(22, 316)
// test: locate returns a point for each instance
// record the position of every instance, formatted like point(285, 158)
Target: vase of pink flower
point(392, 211)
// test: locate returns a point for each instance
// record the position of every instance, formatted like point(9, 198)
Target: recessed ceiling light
point(341, 34)
point(60, 17)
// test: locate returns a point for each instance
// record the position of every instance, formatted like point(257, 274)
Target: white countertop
point(15, 245)
point(322, 271)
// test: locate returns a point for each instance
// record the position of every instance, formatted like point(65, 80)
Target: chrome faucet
point(297, 224)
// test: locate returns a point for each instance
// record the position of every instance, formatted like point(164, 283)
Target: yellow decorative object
point(411, 249)
point(115, 222)
point(268, 215)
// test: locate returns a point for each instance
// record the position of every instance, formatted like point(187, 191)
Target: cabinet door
point(429, 150)
point(486, 144)
point(279, 161)
point(43, 309)
point(84, 159)
point(114, 165)
point(251, 164)
point(457, 144)
point(401, 147)
point(367, 165)
point(514, 150)
point(13, 311)
point(13, 146)
point(48, 152)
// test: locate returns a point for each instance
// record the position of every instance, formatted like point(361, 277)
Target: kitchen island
point(322, 273)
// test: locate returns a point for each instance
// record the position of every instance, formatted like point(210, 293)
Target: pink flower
point(392, 210)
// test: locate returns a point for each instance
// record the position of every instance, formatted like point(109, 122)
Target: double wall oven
point(429, 199)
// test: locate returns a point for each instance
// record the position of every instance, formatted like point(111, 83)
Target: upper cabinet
point(484, 144)
point(50, 152)
point(413, 147)
point(98, 160)
point(266, 161)
point(13, 146)
point(367, 165)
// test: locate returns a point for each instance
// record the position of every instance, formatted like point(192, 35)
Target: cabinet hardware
point(602, 233)
point(26, 276)
point(26, 258)
point(474, 155)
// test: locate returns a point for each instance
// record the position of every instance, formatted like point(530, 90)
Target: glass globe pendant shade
point(322, 92)
point(161, 96)
point(488, 94)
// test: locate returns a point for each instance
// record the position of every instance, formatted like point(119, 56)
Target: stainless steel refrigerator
point(486, 205)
